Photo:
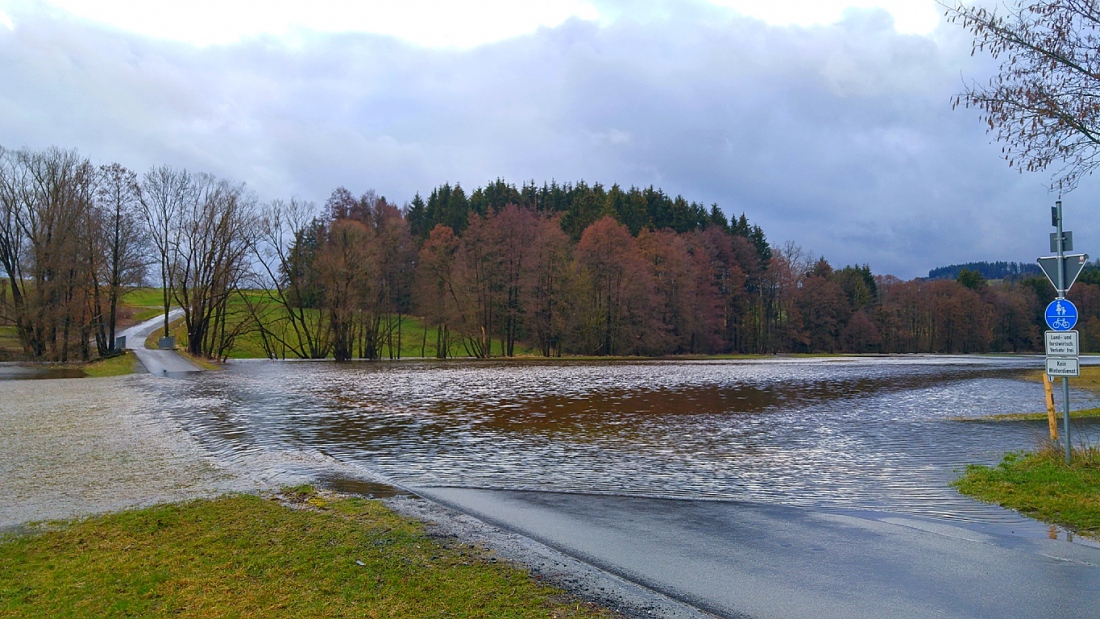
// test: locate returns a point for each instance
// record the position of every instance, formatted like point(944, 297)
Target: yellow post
point(1052, 419)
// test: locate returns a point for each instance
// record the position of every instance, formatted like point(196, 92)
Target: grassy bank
point(118, 365)
point(412, 338)
point(1078, 414)
point(247, 556)
point(1040, 485)
point(1089, 378)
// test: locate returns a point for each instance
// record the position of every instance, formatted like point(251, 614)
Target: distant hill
point(989, 270)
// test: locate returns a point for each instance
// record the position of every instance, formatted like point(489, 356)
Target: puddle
point(370, 489)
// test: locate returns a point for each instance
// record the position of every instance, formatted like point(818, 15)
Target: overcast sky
point(828, 123)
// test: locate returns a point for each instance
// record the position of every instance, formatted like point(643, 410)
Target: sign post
point(1061, 343)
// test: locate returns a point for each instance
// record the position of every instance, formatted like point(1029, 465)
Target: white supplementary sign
point(1062, 343)
point(1063, 366)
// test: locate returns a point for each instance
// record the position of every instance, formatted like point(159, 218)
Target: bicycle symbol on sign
point(1060, 324)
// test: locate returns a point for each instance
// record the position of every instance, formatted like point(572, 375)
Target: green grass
point(1089, 378)
point(141, 304)
point(9, 344)
point(1079, 414)
point(246, 556)
point(111, 366)
point(416, 339)
point(144, 297)
point(1040, 485)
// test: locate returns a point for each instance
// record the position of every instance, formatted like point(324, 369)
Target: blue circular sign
point(1061, 315)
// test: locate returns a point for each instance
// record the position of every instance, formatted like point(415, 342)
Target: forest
point(559, 269)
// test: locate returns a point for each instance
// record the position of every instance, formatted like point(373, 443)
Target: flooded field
point(870, 433)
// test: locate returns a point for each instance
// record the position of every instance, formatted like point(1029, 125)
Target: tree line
point(988, 270)
point(569, 269)
point(74, 237)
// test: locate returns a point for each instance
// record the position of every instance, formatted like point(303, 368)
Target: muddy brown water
point(846, 433)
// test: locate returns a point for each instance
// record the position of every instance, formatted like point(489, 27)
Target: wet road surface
point(157, 362)
point(755, 560)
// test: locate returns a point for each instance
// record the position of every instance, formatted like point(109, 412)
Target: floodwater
point(13, 371)
point(878, 434)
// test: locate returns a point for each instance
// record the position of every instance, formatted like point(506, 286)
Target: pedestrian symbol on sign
point(1061, 315)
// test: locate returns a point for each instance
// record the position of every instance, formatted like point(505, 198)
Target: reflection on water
point(850, 433)
point(20, 372)
point(350, 485)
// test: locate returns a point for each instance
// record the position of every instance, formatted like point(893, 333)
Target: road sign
point(1063, 366)
point(1061, 315)
point(1067, 241)
point(1062, 344)
point(1074, 264)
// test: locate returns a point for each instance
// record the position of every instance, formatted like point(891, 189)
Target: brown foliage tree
point(545, 305)
point(346, 269)
point(822, 306)
point(480, 278)
point(861, 335)
point(434, 289)
point(612, 305)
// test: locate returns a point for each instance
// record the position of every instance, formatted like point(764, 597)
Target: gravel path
point(74, 447)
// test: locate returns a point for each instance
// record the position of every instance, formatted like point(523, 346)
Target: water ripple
point(874, 434)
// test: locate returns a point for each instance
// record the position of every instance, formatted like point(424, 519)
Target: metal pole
point(1061, 252)
point(1065, 417)
point(1062, 295)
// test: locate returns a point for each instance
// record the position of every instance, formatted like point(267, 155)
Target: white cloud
point(6, 22)
point(841, 138)
point(430, 23)
point(910, 16)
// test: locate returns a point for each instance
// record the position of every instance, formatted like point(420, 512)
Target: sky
point(828, 123)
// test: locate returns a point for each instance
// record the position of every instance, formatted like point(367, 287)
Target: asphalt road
point(752, 560)
point(159, 362)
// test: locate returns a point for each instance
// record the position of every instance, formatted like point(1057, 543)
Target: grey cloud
point(839, 138)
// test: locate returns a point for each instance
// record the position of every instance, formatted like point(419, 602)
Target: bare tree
point(215, 233)
point(289, 235)
point(44, 202)
point(1043, 102)
point(12, 178)
point(122, 244)
point(165, 192)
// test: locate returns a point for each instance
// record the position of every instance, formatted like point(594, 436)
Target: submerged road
point(755, 560)
point(159, 362)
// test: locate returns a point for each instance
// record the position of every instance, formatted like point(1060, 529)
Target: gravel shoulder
point(76, 447)
point(544, 563)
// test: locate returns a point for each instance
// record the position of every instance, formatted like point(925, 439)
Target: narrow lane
point(157, 362)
